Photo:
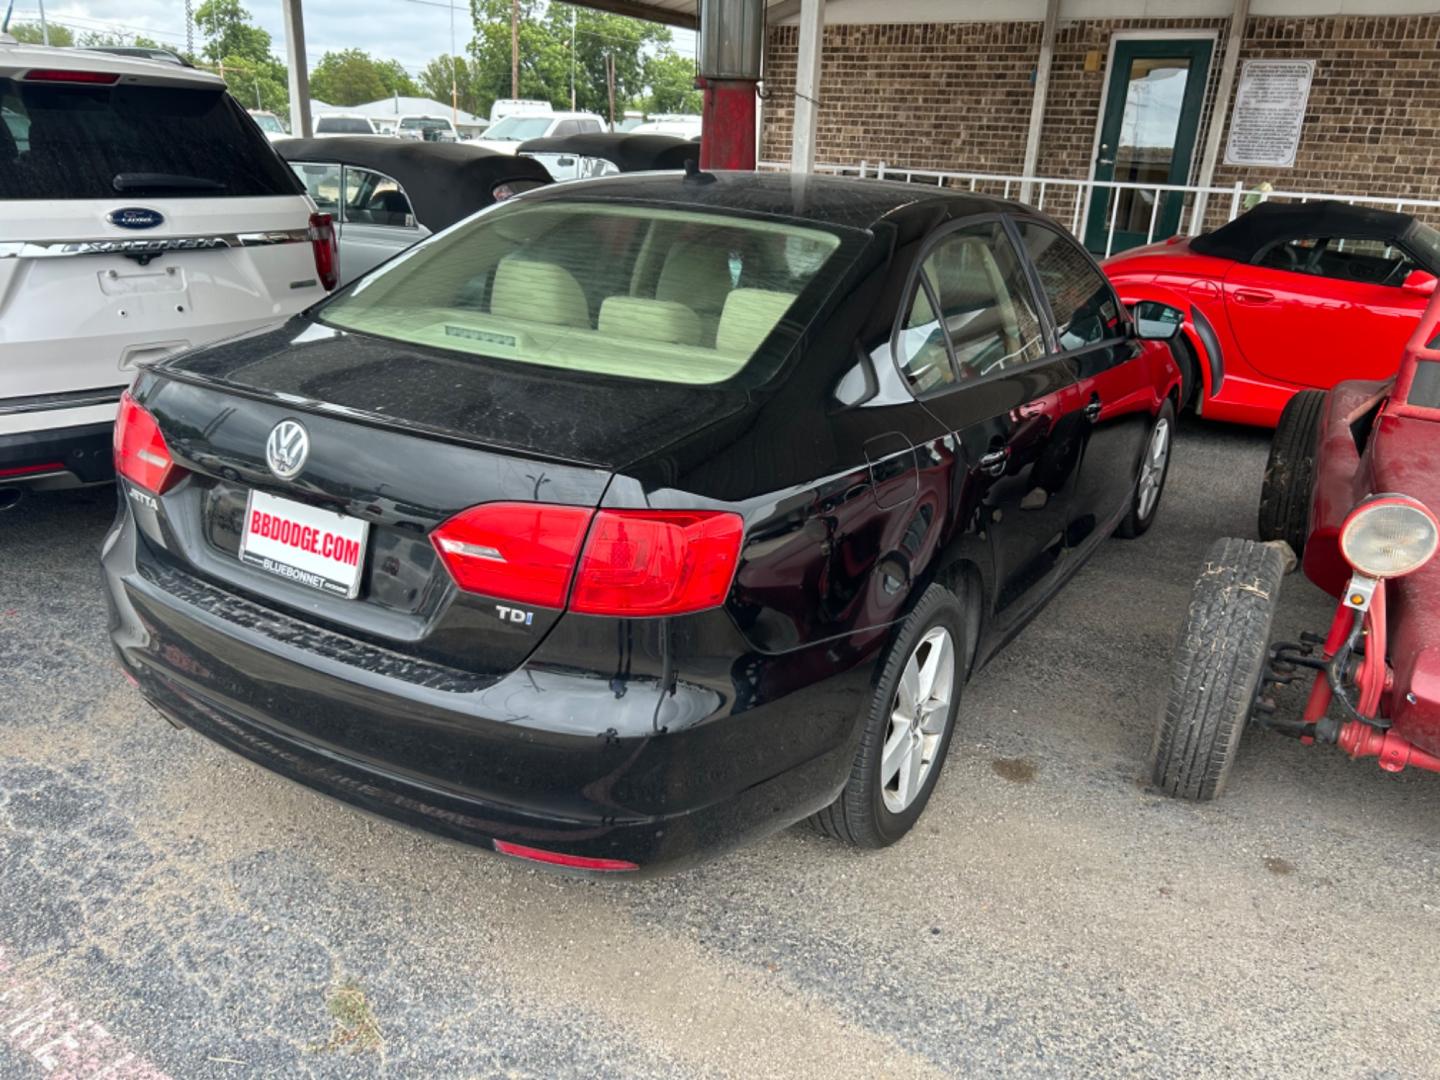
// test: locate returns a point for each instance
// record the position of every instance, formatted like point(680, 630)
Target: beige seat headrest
point(650, 320)
point(748, 318)
point(539, 292)
point(696, 275)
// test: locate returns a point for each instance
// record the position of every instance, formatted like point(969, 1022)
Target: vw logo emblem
point(287, 448)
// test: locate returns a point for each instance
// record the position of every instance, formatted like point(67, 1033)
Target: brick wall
point(957, 96)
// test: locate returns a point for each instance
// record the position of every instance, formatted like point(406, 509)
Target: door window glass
point(373, 198)
point(1360, 259)
point(1081, 300)
point(924, 358)
point(1149, 126)
point(322, 182)
point(984, 303)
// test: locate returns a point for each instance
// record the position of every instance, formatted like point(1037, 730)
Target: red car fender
point(1342, 478)
point(1132, 292)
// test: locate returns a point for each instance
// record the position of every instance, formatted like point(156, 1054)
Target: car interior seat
point(697, 275)
point(649, 320)
point(389, 208)
point(538, 292)
point(748, 317)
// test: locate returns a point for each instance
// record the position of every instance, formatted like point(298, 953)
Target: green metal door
point(1147, 136)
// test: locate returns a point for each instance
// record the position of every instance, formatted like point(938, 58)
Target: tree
point(546, 56)
point(95, 39)
point(671, 79)
point(229, 33)
point(29, 33)
point(435, 82)
point(354, 77)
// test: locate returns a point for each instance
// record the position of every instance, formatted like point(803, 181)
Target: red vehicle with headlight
point(1351, 486)
point(1287, 297)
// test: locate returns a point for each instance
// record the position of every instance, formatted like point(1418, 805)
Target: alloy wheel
point(1152, 469)
point(918, 717)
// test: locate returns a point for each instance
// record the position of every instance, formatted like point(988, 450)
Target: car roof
point(1270, 222)
point(629, 152)
point(839, 201)
point(18, 58)
point(444, 181)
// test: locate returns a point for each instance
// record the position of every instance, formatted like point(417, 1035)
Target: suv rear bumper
point(57, 458)
point(546, 757)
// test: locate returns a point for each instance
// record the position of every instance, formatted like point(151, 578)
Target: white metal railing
point(1076, 196)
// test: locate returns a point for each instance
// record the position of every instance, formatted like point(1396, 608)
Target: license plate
point(316, 548)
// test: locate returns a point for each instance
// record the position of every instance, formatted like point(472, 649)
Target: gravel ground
point(167, 909)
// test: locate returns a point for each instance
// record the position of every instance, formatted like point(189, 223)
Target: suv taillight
point(141, 455)
point(322, 239)
point(635, 563)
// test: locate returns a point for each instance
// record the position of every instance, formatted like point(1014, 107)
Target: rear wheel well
point(963, 579)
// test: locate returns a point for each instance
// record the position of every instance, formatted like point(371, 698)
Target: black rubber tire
point(1290, 471)
point(1219, 659)
point(1134, 525)
point(1189, 365)
point(859, 816)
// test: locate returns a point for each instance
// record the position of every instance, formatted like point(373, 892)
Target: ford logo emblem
point(135, 217)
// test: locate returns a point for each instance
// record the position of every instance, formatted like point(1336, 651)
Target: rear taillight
point(514, 551)
point(633, 563)
point(322, 239)
point(657, 562)
point(141, 455)
point(98, 78)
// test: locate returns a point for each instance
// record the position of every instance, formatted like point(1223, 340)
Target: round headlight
point(1389, 536)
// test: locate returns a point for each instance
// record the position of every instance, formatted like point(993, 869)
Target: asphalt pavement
point(168, 910)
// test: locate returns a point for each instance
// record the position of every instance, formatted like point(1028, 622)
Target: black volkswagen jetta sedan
point(635, 517)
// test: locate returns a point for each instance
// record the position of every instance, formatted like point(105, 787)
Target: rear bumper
point(61, 457)
point(548, 757)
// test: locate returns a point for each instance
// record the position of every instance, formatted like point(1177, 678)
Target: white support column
point(299, 70)
point(807, 86)
point(1042, 90)
point(1220, 112)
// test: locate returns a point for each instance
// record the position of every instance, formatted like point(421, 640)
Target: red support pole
point(727, 132)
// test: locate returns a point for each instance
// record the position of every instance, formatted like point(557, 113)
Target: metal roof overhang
point(679, 12)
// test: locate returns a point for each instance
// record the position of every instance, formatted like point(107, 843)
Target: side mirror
point(1155, 321)
point(1420, 281)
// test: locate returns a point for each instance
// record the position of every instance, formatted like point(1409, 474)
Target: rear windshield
point(343, 125)
point(104, 142)
point(647, 293)
point(519, 128)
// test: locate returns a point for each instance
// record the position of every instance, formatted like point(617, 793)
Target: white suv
point(141, 212)
point(507, 134)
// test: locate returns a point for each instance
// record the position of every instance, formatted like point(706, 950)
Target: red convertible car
point(1351, 480)
point(1284, 298)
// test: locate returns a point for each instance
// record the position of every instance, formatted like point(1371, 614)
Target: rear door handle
point(1092, 411)
point(994, 462)
point(1253, 296)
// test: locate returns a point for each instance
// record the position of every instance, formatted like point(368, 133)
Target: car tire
point(1219, 659)
point(1290, 472)
point(1189, 365)
point(879, 805)
point(1150, 484)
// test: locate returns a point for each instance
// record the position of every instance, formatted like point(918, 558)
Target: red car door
point(1317, 310)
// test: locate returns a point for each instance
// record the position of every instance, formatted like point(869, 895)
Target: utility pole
point(454, 80)
point(44, 26)
point(572, 58)
point(610, 85)
point(189, 30)
point(514, 48)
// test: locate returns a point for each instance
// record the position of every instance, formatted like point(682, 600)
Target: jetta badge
point(287, 448)
point(135, 217)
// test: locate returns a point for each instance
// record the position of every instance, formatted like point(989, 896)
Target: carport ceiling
point(680, 12)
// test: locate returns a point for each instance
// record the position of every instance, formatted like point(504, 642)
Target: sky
point(410, 31)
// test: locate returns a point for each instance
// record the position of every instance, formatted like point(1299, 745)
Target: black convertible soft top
point(627, 152)
point(1270, 222)
point(444, 181)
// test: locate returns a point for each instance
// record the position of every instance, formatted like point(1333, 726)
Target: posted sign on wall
point(1269, 109)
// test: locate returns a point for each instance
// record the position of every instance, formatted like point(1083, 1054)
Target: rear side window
point(108, 142)
point(1081, 300)
point(1360, 259)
